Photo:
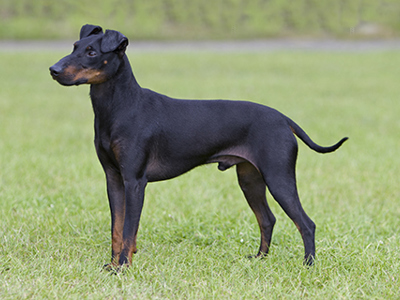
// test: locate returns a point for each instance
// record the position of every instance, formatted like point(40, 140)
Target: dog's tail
point(296, 129)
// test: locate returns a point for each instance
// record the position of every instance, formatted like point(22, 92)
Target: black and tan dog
point(142, 136)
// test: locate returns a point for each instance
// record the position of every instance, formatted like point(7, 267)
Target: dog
point(142, 136)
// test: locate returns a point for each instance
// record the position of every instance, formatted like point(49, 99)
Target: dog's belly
point(160, 169)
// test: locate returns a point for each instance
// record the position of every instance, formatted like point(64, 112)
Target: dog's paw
point(112, 268)
point(309, 261)
point(259, 255)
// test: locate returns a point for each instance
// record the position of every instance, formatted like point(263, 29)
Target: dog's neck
point(109, 97)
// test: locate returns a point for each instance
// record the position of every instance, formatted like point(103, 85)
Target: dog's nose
point(55, 70)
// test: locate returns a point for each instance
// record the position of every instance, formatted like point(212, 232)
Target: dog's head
point(95, 58)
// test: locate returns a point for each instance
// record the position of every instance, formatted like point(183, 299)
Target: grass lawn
point(196, 230)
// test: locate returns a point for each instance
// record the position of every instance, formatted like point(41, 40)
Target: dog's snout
point(55, 70)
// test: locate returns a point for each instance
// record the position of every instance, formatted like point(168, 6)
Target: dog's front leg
point(134, 197)
point(116, 198)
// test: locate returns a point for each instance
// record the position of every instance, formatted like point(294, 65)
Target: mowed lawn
point(197, 230)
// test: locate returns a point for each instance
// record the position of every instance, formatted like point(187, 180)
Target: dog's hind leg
point(253, 187)
point(279, 175)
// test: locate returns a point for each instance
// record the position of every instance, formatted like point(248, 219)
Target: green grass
point(196, 230)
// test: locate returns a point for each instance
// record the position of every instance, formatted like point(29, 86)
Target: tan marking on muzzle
point(70, 71)
point(92, 76)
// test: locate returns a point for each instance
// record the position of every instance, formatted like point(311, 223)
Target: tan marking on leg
point(117, 238)
point(116, 149)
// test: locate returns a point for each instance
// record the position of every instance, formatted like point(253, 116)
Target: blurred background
point(200, 20)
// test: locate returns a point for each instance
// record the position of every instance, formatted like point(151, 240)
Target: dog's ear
point(87, 30)
point(114, 41)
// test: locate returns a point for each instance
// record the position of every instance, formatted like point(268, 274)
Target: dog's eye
point(92, 53)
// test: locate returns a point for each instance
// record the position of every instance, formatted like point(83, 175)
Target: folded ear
point(87, 30)
point(114, 41)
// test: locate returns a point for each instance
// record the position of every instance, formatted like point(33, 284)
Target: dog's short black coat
point(142, 136)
